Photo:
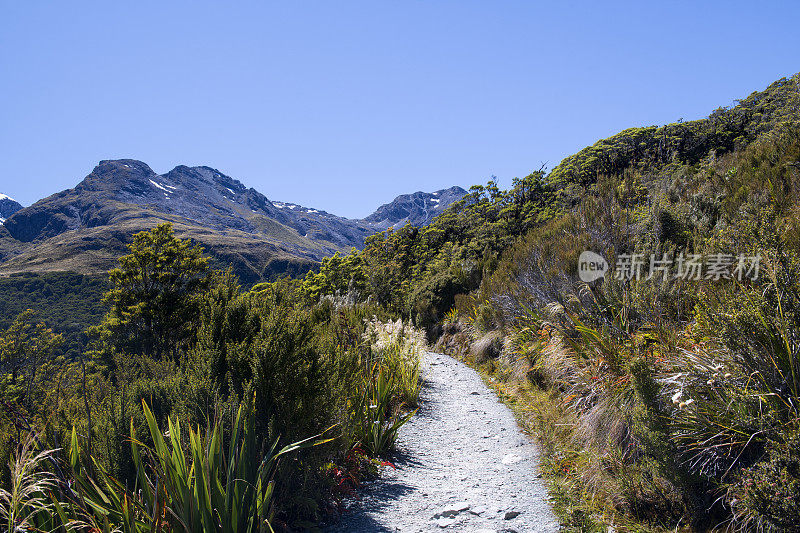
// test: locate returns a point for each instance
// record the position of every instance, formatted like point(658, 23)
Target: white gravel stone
point(445, 522)
point(511, 459)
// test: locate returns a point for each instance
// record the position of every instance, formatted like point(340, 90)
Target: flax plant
point(376, 420)
point(180, 487)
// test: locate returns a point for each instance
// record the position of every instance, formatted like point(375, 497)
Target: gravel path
point(462, 464)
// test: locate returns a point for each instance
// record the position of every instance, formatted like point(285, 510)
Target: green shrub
point(766, 496)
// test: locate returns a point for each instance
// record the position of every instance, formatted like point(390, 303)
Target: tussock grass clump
point(388, 384)
point(399, 347)
point(489, 346)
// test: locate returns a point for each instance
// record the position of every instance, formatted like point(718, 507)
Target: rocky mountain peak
point(117, 175)
point(418, 208)
point(8, 206)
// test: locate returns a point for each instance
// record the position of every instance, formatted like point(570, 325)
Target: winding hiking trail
point(462, 464)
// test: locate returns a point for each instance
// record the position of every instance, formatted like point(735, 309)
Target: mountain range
point(86, 228)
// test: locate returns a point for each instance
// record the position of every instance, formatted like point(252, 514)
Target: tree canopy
point(155, 294)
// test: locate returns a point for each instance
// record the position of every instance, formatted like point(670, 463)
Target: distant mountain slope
point(419, 208)
point(85, 229)
point(8, 206)
point(201, 195)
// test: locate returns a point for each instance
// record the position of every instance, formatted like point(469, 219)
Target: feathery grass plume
point(399, 347)
point(30, 485)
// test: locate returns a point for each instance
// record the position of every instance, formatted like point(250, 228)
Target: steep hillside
point(666, 396)
point(689, 174)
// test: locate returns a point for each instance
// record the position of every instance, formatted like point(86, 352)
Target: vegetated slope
point(690, 383)
point(8, 206)
point(67, 302)
point(663, 402)
point(653, 148)
point(86, 228)
point(685, 379)
point(422, 270)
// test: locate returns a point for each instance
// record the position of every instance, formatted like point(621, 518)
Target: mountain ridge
point(86, 228)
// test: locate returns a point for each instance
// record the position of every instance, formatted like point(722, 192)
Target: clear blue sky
point(344, 105)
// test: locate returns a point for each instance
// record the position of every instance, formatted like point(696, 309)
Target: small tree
point(155, 298)
point(24, 348)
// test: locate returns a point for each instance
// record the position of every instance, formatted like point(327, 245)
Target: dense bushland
point(65, 301)
point(181, 345)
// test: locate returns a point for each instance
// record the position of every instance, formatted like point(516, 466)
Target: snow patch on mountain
point(284, 205)
point(158, 185)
